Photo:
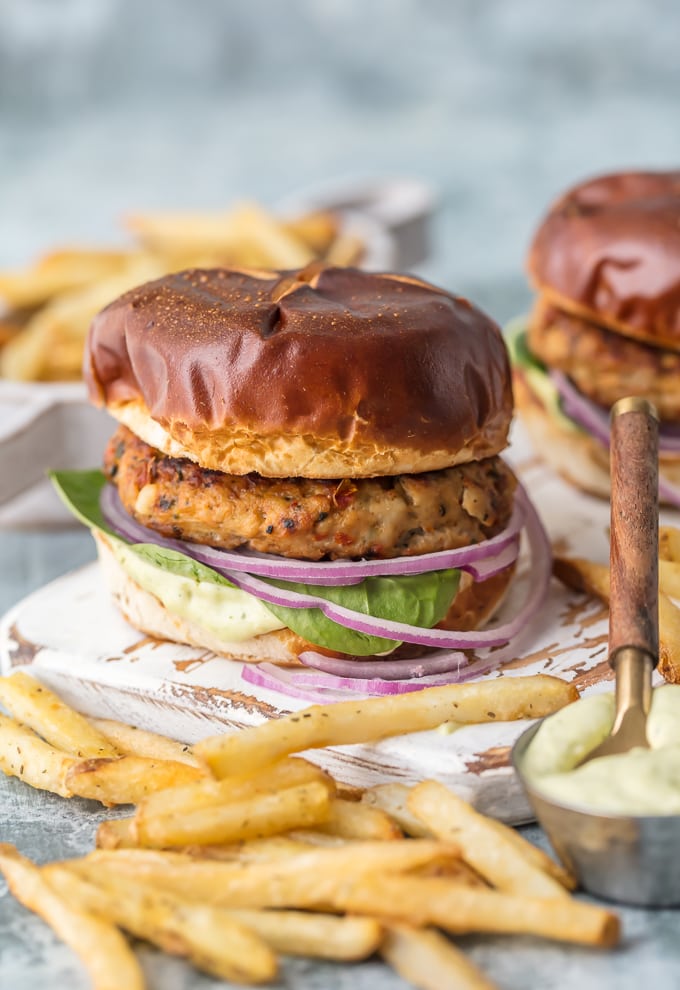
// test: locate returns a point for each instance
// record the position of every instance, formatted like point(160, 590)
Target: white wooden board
point(78, 644)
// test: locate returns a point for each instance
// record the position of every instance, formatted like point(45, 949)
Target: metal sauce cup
point(632, 859)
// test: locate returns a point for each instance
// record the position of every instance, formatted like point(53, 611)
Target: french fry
point(121, 833)
point(593, 579)
point(347, 722)
point(315, 837)
point(429, 961)
point(33, 704)
point(304, 880)
point(57, 272)
point(346, 249)
point(259, 815)
point(322, 936)
point(456, 870)
point(25, 755)
point(393, 799)
point(669, 578)
point(184, 233)
point(669, 640)
point(247, 234)
point(68, 316)
point(250, 850)
point(540, 859)
point(669, 543)
point(583, 575)
point(118, 833)
point(461, 909)
point(485, 847)
point(127, 779)
point(318, 230)
point(278, 247)
point(138, 742)
point(352, 820)
point(100, 946)
point(289, 772)
point(211, 938)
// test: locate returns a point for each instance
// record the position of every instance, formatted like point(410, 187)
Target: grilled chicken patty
point(604, 365)
point(308, 518)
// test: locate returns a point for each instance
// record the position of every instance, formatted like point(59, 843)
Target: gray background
point(107, 106)
point(112, 105)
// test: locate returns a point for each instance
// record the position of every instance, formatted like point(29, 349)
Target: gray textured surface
point(114, 105)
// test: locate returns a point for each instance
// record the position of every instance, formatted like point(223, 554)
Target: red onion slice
point(350, 678)
point(595, 420)
point(478, 560)
point(319, 687)
point(401, 631)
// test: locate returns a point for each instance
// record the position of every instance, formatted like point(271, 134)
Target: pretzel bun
point(609, 250)
point(323, 372)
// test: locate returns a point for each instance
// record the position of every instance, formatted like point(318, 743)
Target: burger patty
point(604, 365)
point(308, 518)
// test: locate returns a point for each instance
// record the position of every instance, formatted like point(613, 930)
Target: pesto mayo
point(228, 612)
point(640, 782)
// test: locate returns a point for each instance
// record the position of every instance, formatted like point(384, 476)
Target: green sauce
point(640, 782)
point(228, 612)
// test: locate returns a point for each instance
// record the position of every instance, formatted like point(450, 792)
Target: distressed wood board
point(77, 643)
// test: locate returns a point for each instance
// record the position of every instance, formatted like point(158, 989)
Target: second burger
point(605, 262)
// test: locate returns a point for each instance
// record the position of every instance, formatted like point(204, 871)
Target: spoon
point(628, 858)
point(633, 571)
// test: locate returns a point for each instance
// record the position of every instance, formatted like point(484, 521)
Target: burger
point(306, 474)
point(605, 263)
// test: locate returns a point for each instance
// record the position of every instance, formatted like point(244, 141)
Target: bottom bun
point(573, 453)
point(474, 604)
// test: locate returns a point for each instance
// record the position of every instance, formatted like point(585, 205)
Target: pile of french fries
point(50, 304)
point(592, 578)
point(239, 851)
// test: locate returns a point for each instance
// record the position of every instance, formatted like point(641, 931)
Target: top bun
point(609, 250)
point(325, 372)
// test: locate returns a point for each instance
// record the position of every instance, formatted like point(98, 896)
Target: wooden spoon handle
point(634, 553)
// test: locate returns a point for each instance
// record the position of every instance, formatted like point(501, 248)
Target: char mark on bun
point(605, 262)
point(306, 466)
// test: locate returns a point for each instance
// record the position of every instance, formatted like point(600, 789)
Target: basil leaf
point(417, 599)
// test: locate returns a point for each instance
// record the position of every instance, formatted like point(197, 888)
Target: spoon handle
point(633, 562)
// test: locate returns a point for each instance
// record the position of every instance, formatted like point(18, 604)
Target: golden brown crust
point(578, 457)
point(320, 373)
point(609, 250)
point(604, 365)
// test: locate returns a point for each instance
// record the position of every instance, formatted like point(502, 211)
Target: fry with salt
point(428, 960)
point(289, 772)
point(102, 949)
point(485, 846)
point(33, 704)
point(259, 815)
point(139, 742)
point(322, 936)
point(127, 779)
point(353, 820)
point(462, 909)
point(593, 579)
point(303, 880)
point(25, 755)
point(367, 720)
point(211, 938)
